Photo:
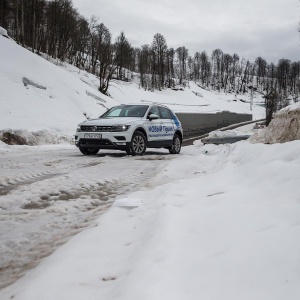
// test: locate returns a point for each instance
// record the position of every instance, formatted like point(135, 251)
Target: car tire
point(138, 144)
point(86, 151)
point(176, 146)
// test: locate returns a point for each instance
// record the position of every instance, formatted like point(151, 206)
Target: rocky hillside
point(284, 127)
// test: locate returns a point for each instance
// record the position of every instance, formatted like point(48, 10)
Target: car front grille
point(95, 128)
point(95, 142)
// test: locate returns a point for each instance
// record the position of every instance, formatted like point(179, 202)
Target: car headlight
point(78, 128)
point(120, 128)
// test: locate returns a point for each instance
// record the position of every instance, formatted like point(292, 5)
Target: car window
point(135, 111)
point(154, 110)
point(126, 111)
point(116, 112)
point(164, 113)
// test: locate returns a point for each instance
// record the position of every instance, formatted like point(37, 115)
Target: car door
point(154, 127)
point(167, 124)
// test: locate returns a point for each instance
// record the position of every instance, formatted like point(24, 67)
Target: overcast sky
point(250, 28)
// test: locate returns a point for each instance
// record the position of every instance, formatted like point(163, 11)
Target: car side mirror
point(153, 117)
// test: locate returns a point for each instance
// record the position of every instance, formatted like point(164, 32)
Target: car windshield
point(126, 111)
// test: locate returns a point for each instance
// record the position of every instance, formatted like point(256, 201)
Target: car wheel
point(138, 144)
point(176, 146)
point(86, 151)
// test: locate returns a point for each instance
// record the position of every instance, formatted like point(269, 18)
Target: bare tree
point(271, 100)
point(123, 55)
point(144, 65)
point(107, 65)
point(170, 68)
point(182, 55)
point(4, 13)
point(227, 64)
point(217, 58)
point(159, 55)
point(261, 71)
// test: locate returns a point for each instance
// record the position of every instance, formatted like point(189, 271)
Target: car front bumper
point(113, 140)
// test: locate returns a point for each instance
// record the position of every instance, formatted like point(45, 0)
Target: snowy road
point(49, 193)
point(215, 222)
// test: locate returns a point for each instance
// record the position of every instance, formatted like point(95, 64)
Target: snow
point(50, 97)
point(294, 106)
point(49, 193)
point(228, 133)
point(215, 222)
point(4, 147)
point(187, 100)
point(3, 32)
point(58, 108)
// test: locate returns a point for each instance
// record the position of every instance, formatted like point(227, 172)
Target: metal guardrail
point(202, 123)
point(225, 140)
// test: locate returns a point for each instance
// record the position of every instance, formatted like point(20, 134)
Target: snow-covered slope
point(192, 98)
point(37, 95)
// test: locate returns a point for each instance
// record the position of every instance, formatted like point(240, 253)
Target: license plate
point(92, 135)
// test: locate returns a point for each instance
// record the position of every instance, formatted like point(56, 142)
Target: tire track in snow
point(7, 184)
point(44, 209)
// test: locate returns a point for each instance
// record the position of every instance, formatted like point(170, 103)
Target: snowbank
point(4, 147)
point(284, 127)
point(228, 133)
point(41, 137)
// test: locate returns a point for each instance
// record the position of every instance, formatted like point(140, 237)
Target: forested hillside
point(57, 29)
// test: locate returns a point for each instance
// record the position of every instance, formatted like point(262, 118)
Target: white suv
point(131, 128)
